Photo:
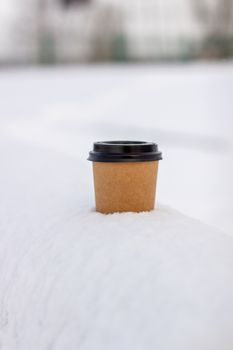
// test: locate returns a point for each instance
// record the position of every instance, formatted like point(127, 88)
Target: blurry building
point(70, 31)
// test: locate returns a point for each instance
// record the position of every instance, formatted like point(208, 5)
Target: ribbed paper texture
point(123, 187)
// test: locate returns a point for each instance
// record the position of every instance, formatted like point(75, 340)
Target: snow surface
point(186, 109)
point(71, 278)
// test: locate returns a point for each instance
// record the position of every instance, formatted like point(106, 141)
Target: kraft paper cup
point(125, 175)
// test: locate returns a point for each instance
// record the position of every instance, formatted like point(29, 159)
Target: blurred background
point(74, 31)
point(76, 71)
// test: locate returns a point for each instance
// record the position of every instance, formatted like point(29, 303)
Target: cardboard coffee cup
point(125, 175)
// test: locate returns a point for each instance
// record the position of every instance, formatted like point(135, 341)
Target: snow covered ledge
point(156, 280)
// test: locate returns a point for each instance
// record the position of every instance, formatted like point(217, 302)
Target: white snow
point(74, 279)
point(186, 109)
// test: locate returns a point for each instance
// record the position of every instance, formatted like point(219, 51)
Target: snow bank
point(71, 278)
point(75, 279)
point(133, 281)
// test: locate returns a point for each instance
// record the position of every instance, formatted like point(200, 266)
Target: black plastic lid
point(124, 151)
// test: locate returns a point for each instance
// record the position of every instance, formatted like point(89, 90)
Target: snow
point(74, 279)
point(186, 109)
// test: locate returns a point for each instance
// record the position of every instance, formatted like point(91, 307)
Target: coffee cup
point(125, 175)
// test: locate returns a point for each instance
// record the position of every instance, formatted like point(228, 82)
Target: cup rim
point(124, 151)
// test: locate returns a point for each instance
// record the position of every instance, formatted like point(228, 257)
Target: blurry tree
point(109, 38)
point(33, 34)
point(216, 19)
point(68, 3)
point(46, 33)
point(45, 38)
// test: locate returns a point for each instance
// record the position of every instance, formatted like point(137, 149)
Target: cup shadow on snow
point(171, 138)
